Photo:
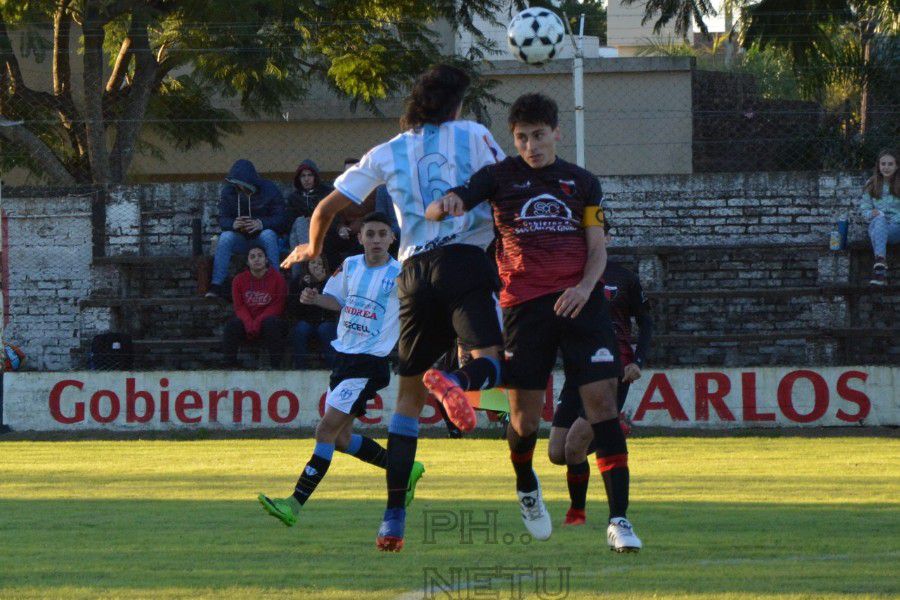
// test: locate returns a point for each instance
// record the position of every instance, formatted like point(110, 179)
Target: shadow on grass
point(689, 547)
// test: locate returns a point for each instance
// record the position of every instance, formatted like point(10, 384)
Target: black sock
point(478, 374)
point(403, 438)
point(612, 460)
point(452, 430)
point(367, 450)
point(313, 472)
point(521, 451)
point(577, 478)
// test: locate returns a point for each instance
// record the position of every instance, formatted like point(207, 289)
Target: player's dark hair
point(351, 160)
point(534, 109)
point(876, 182)
point(435, 96)
point(606, 225)
point(376, 217)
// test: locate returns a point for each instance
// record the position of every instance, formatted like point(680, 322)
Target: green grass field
point(742, 517)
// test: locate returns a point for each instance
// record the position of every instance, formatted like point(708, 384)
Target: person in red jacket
point(258, 294)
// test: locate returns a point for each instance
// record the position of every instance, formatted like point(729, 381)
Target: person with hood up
point(308, 192)
point(251, 211)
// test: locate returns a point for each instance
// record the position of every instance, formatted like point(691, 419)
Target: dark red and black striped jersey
point(538, 214)
point(626, 297)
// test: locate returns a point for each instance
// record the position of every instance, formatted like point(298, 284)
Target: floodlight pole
point(578, 92)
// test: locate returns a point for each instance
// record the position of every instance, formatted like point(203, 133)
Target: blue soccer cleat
point(390, 535)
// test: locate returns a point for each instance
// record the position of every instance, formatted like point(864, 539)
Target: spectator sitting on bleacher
point(308, 192)
point(259, 295)
point(312, 320)
point(881, 207)
point(251, 211)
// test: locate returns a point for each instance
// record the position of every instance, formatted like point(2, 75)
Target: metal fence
point(82, 258)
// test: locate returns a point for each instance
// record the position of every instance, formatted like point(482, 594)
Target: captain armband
point(593, 217)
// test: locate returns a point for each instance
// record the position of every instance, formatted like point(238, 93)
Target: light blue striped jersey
point(369, 320)
point(419, 166)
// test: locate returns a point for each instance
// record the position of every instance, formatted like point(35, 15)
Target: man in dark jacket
point(308, 191)
point(251, 211)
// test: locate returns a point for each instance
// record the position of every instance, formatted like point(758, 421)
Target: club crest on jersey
point(545, 206)
point(545, 212)
point(387, 285)
point(610, 291)
point(567, 186)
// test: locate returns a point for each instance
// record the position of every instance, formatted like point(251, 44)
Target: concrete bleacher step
point(837, 332)
point(114, 302)
point(773, 292)
point(747, 292)
point(127, 260)
point(161, 343)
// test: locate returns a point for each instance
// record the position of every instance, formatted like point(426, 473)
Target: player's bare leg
point(524, 420)
point(403, 434)
point(599, 401)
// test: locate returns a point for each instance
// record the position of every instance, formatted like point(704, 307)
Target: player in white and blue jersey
point(364, 290)
point(446, 283)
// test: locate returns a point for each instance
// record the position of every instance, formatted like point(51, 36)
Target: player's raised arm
point(321, 220)
point(482, 186)
point(449, 205)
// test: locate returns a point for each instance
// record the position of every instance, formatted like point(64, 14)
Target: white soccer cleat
point(620, 536)
point(534, 513)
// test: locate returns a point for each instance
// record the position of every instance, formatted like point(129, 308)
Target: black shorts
point(569, 406)
point(354, 381)
point(444, 294)
point(534, 333)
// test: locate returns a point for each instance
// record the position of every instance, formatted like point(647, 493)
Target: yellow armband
point(593, 217)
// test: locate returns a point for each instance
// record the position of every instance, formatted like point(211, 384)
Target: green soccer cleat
point(283, 509)
point(418, 469)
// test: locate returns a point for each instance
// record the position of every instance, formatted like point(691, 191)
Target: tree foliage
point(151, 65)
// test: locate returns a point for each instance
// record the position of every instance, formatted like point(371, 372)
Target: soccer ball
point(534, 35)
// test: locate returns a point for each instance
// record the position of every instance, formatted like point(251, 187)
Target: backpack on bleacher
point(111, 352)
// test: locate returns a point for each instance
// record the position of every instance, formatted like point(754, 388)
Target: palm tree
point(829, 40)
point(685, 13)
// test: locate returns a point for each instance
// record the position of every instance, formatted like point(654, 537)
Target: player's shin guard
point(478, 374)
point(577, 477)
point(612, 460)
point(367, 450)
point(403, 434)
point(313, 472)
point(521, 451)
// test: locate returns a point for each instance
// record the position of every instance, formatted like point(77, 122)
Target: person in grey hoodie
point(251, 211)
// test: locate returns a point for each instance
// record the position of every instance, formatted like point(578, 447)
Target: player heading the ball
point(551, 255)
point(446, 282)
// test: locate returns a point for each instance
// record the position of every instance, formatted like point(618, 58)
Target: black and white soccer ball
point(534, 35)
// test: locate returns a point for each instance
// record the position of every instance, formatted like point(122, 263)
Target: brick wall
point(790, 214)
point(48, 249)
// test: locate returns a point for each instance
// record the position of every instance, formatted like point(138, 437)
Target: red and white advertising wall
point(714, 398)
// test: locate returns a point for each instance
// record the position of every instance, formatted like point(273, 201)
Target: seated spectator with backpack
point(259, 296)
